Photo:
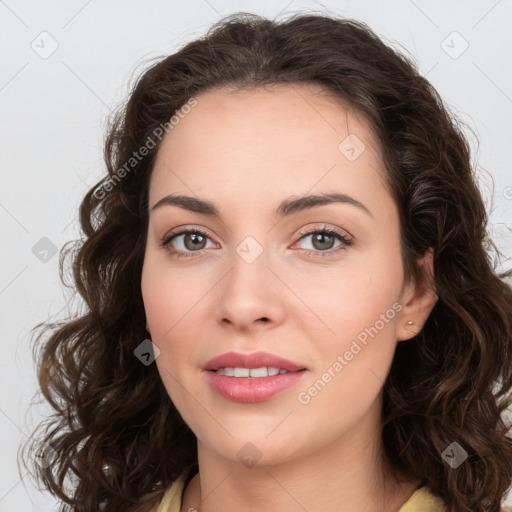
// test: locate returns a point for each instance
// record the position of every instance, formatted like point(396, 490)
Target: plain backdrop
point(65, 64)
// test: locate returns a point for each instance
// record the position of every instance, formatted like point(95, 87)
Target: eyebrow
point(287, 207)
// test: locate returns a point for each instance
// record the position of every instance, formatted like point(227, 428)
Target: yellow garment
point(171, 502)
point(421, 500)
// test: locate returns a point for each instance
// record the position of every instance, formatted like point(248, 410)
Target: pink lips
point(256, 360)
point(251, 389)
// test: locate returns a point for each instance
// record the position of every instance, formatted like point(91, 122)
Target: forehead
point(268, 142)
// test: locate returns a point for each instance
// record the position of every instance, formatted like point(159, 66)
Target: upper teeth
point(250, 372)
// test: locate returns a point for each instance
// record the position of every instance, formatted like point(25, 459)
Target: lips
point(251, 389)
point(256, 360)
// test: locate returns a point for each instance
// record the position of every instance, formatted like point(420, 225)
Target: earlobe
point(418, 298)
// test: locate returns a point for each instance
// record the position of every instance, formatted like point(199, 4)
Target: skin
point(245, 152)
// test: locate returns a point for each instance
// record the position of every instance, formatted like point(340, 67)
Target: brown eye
point(323, 240)
point(194, 241)
point(185, 242)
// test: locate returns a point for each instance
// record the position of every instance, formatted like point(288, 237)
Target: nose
point(250, 296)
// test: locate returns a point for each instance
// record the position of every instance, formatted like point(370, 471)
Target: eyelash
point(345, 242)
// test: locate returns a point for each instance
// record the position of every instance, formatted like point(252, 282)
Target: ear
point(417, 299)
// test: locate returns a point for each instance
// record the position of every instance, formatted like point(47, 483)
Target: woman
point(289, 300)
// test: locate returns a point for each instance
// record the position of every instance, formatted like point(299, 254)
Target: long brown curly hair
point(113, 420)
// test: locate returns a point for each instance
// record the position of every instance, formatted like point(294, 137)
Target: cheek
point(358, 309)
point(351, 297)
point(173, 307)
point(169, 297)
point(351, 368)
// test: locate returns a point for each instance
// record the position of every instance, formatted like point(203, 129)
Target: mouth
point(252, 378)
point(252, 373)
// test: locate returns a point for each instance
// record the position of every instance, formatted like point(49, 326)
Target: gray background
point(53, 112)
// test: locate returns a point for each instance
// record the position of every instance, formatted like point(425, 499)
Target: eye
point(323, 239)
point(192, 240)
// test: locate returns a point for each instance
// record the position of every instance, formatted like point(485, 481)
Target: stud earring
point(410, 322)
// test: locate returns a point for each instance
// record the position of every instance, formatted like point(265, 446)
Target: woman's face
point(262, 277)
